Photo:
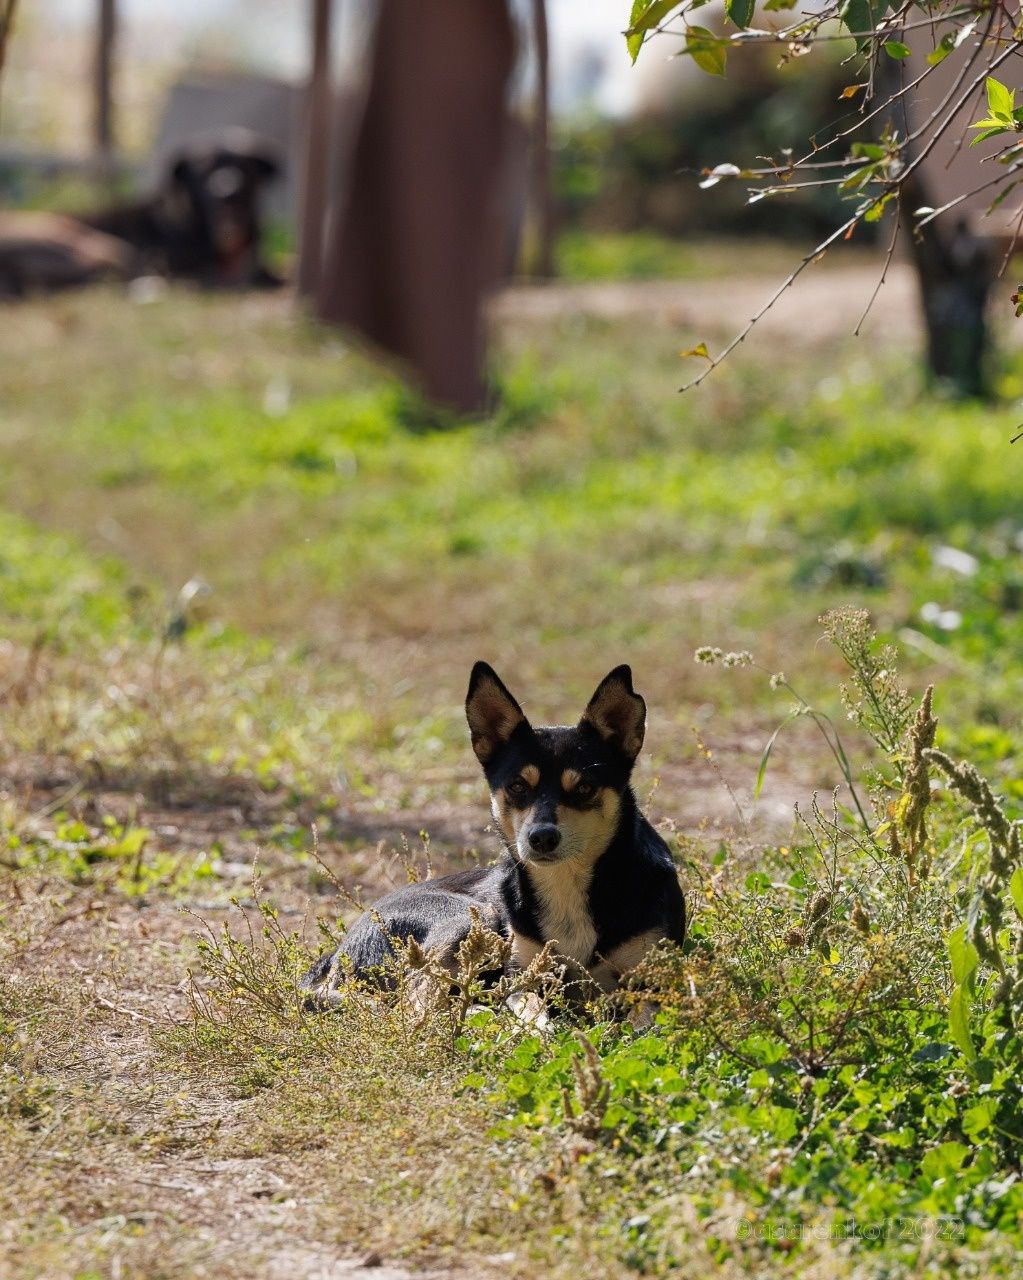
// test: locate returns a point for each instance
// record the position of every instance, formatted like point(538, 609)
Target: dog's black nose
point(544, 837)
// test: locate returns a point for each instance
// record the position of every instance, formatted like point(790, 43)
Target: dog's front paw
point(530, 1009)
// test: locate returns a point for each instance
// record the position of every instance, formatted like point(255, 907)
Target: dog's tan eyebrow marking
point(570, 778)
point(531, 774)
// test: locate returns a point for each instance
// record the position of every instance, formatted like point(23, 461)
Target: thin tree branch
point(790, 279)
point(884, 271)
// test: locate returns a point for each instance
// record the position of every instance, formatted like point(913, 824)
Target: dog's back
point(437, 914)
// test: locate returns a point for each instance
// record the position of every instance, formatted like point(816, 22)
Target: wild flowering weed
point(906, 912)
point(712, 656)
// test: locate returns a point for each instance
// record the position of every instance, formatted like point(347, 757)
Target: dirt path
point(824, 305)
point(144, 1190)
point(835, 298)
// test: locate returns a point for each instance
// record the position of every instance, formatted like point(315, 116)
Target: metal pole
point(314, 186)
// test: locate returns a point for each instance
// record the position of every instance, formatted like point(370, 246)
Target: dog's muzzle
point(544, 839)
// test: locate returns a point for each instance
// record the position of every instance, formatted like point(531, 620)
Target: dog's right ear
point(492, 712)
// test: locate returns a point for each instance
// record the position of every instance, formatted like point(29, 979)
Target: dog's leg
point(576, 987)
point(446, 961)
point(609, 971)
point(435, 970)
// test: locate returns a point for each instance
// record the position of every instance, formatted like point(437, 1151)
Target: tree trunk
point(7, 8)
point(103, 79)
point(418, 244)
point(542, 196)
point(955, 270)
point(317, 140)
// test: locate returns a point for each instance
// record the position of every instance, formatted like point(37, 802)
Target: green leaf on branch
point(963, 955)
point(1002, 196)
point(876, 211)
point(859, 178)
point(977, 1119)
point(990, 131)
point(740, 12)
point(707, 50)
point(959, 1022)
point(645, 15)
point(1001, 101)
point(949, 42)
point(860, 18)
point(1016, 891)
point(944, 1160)
point(896, 49)
point(1002, 116)
point(943, 49)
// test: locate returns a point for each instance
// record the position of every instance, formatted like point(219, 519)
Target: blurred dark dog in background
point(203, 223)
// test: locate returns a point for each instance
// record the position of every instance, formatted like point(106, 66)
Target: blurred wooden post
point(103, 81)
point(7, 8)
point(542, 199)
point(317, 126)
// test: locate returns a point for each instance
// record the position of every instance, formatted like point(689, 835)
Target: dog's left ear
point(618, 713)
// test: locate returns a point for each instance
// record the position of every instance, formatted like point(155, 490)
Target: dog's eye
point(584, 790)
point(517, 788)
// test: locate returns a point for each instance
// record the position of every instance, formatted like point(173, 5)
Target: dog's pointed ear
point(492, 712)
point(618, 713)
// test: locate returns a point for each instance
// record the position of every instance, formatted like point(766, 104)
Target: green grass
point(609, 255)
point(286, 473)
point(154, 741)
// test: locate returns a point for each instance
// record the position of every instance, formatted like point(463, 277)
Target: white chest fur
point(561, 892)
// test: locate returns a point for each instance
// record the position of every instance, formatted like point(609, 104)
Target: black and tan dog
point(204, 223)
point(205, 220)
point(583, 869)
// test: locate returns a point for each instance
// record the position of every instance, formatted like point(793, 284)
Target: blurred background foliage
point(641, 172)
point(625, 159)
